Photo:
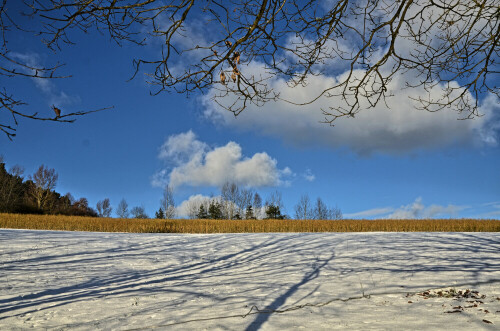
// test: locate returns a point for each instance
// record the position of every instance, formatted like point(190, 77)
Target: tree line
point(35, 194)
point(236, 203)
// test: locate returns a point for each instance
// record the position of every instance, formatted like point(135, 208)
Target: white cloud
point(492, 214)
point(46, 85)
point(160, 178)
point(369, 213)
point(489, 210)
point(287, 171)
point(309, 176)
point(181, 147)
point(397, 129)
point(413, 210)
point(494, 204)
point(194, 163)
point(418, 210)
point(187, 207)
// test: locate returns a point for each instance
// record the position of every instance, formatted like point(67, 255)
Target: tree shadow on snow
point(233, 272)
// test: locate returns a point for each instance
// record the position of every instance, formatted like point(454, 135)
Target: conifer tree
point(160, 214)
point(202, 213)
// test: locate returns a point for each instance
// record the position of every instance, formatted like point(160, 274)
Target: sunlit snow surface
point(118, 281)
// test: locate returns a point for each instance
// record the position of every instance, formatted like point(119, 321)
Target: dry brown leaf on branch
point(236, 57)
point(235, 73)
point(223, 78)
point(57, 111)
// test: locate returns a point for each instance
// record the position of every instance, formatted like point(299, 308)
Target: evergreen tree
point(202, 213)
point(273, 212)
point(160, 214)
point(249, 213)
point(12, 191)
point(215, 210)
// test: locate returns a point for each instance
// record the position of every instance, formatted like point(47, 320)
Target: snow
point(272, 281)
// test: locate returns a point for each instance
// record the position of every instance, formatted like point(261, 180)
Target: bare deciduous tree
point(304, 209)
point(17, 171)
point(192, 208)
point(138, 212)
point(104, 208)
point(336, 213)
point(257, 205)
point(122, 209)
point(244, 201)
point(81, 207)
point(447, 45)
point(167, 203)
point(322, 212)
point(230, 194)
point(44, 180)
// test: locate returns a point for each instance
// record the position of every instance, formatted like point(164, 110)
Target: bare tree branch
point(450, 46)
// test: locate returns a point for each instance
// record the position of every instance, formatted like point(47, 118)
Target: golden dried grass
point(77, 223)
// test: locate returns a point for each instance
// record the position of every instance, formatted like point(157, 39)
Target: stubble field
point(75, 223)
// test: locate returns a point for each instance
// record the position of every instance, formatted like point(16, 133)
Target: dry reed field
point(76, 223)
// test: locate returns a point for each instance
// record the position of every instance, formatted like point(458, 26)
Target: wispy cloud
point(491, 214)
point(414, 210)
point(54, 95)
point(418, 210)
point(370, 213)
point(489, 210)
point(308, 175)
point(192, 162)
point(494, 204)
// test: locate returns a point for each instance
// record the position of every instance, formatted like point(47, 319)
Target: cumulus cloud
point(191, 206)
point(399, 128)
point(193, 162)
point(181, 147)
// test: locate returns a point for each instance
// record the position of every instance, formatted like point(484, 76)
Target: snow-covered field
point(313, 281)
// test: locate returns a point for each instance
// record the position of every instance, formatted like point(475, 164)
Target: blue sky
point(386, 162)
